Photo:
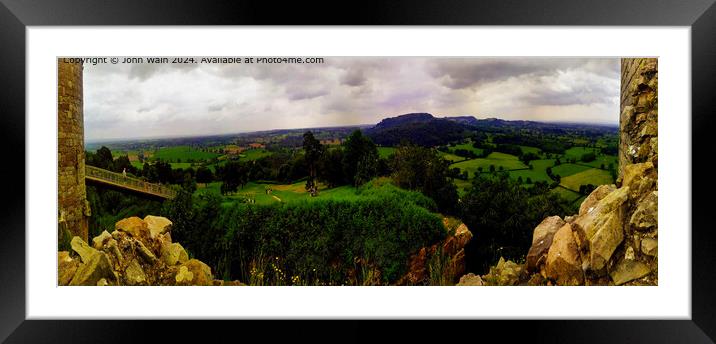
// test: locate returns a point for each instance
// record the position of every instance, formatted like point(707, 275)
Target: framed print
point(458, 169)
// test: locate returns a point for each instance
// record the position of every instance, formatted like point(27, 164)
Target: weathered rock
point(194, 272)
point(133, 226)
point(649, 247)
point(597, 195)
point(82, 249)
point(94, 267)
point(470, 280)
point(134, 274)
point(645, 217)
point(157, 225)
point(184, 276)
point(505, 273)
point(113, 249)
point(102, 282)
point(145, 253)
point(173, 254)
point(223, 283)
point(564, 264)
point(99, 240)
point(628, 270)
point(541, 241)
point(450, 254)
point(66, 267)
point(602, 228)
point(640, 179)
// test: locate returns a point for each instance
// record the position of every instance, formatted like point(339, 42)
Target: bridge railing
point(129, 182)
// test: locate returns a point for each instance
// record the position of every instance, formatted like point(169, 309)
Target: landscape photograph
point(357, 171)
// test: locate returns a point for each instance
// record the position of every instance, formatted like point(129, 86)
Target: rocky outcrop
point(613, 240)
point(441, 263)
point(138, 252)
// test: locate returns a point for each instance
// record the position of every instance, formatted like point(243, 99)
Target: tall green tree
point(423, 169)
point(313, 150)
point(360, 158)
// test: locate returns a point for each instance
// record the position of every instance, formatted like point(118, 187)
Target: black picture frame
point(15, 15)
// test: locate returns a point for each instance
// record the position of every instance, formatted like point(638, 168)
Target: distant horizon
point(123, 139)
point(143, 100)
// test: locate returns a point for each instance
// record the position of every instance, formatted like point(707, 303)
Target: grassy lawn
point(591, 176)
point(183, 153)
point(385, 152)
point(507, 161)
point(279, 193)
point(137, 165)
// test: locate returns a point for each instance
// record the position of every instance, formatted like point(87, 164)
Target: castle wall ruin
point(73, 208)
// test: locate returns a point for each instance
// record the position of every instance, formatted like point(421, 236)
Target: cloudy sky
point(161, 100)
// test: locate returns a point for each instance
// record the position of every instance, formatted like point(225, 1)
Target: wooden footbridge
point(121, 181)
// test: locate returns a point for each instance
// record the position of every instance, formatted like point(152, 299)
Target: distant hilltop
point(427, 130)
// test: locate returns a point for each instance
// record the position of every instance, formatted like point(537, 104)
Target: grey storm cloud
point(145, 100)
point(458, 73)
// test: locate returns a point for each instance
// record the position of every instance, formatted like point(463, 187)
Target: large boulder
point(645, 217)
point(640, 179)
point(505, 273)
point(157, 225)
point(194, 272)
point(597, 195)
point(95, 265)
point(173, 254)
point(564, 265)
point(541, 241)
point(649, 247)
point(99, 240)
point(470, 280)
point(628, 270)
point(134, 274)
point(602, 229)
point(133, 226)
point(66, 267)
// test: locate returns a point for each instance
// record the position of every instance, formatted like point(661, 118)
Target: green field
point(279, 193)
point(565, 170)
point(591, 176)
point(467, 146)
point(253, 154)
point(138, 165)
point(451, 157)
point(182, 165)
point(577, 152)
point(538, 173)
point(529, 149)
point(602, 160)
point(183, 154)
point(385, 152)
point(507, 161)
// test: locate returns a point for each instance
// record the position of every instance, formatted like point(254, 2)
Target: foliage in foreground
point(317, 242)
point(502, 216)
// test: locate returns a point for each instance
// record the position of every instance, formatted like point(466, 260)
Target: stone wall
point(73, 207)
point(639, 112)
